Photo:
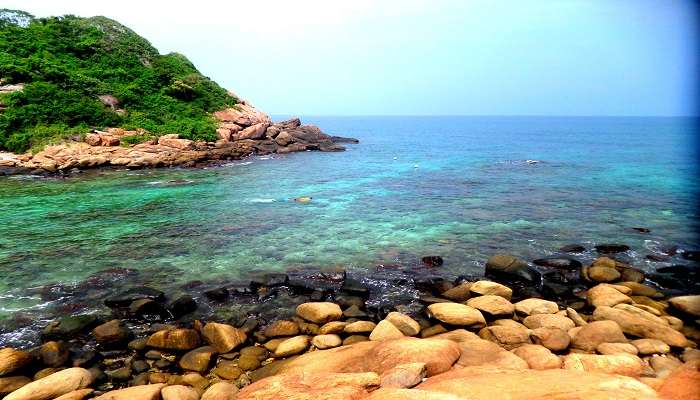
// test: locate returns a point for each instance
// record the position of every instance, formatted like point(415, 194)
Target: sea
point(462, 188)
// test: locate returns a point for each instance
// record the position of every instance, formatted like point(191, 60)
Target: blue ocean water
point(459, 187)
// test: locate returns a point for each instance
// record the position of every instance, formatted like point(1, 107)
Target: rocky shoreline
point(561, 329)
point(243, 131)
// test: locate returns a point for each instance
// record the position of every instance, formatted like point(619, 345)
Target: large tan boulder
point(637, 324)
point(475, 351)
point(458, 293)
point(319, 312)
point(174, 339)
point(650, 346)
point(179, 392)
point(615, 348)
point(554, 339)
point(483, 288)
point(548, 321)
point(11, 383)
point(508, 337)
point(594, 333)
point(292, 346)
point(243, 114)
point(54, 385)
point(254, 132)
point(79, 394)
point(360, 327)
point(142, 392)
point(197, 360)
point(281, 327)
point(311, 386)
point(223, 337)
point(494, 306)
point(180, 144)
point(438, 355)
point(328, 341)
point(620, 364)
point(404, 375)
point(385, 330)
point(606, 295)
point(11, 360)
point(407, 325)
point(683, 383)
point(457, 314)
point(220, 391)
point(534, 306)
point(537, 357)
point(687, 304)
point(479, 383)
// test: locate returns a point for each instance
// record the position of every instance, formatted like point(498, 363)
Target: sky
point(427, 57)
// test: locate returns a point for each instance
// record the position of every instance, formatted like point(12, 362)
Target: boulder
point(93, 139)
point(222, 337)
point(664, 366)
point(79, 394)
point(407, 325)
point(284, 138)
point(475, 351)
point(281, 328)
point(332, 327)
point(54, 385)
point(220, 391)
point(316, 386)
point(409, 394)
point(611, 248)
point(11, 383)
point(574, 316)
point(559, 262)
point(484, 288)
point(534, 306)
point(650, 346)
point(594, 333)
point(360, 327)
point(688, 304)
point(548, 321)
point(319, 312)
point(504, 264)
point(494, 306)
point(142, 392)
point(508, 337)
point(385, 330)
point(197, 360)
point(554, 339)
point(537, 357)
point(175, 339)
point(292, 346)
point(620, 364)
point(180, 144)
point(12, 360)
point(637, 324)
point(111, 333)
point(602, 274)
point(615, 348)
point(639, 289)
point(54, 354)
point(403, 376)
point(683, 383)
point(457, 314)
point(458, 293)
point(438, 355)
point(256, 131)
point(572, 248)
point(328, 341)
point(68, 327)
point(179, 392)
point(606, 295)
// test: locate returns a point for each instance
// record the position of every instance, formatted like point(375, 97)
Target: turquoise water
point(458, 187)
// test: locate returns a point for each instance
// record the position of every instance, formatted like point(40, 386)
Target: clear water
point(458, 187)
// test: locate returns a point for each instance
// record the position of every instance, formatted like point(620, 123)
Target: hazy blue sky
point(544, 57)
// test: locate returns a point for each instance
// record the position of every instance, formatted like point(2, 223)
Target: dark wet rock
point(54, 354)
point(83, 357)
point(572, 248)
point(124, 299)
point(140, 366)
point(182, 306)
point(642, 230)
point(269, 280)
point(249, 325)
point(192, 284)
point(434, 285)
point(68, 327)
point(111, 333)
point(505, 268)
point(138, 344)
point(162, 363)
point(657, 257)
point(560, 262)
point(631, 274)
point(611, 248)
point(120, 374)
point(669, 250)
point(355, 287)
point(148, 310)
point(692, 255)
point(432, 261)
point(218, 294)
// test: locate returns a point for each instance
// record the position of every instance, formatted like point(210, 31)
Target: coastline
point(150, 338)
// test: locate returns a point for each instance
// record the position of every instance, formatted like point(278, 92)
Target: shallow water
point(459, 187)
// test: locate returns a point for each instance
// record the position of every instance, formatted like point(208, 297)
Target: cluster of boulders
point(243, 131)
point(475, 339)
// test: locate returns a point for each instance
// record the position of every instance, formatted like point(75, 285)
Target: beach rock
point(575, 316)
point(360, 327)
point(174, 339)
point(319, 312)
point(630, 274)
point(292, 346)
point(554, 339)
point(688, 304)
point(606, 295)
point(650, 346)
point(332, 327)
point(125, 298)
point(602, 274)
point(457, 314)
point(438, 355)
point(179, 392)
point(79, 394)
point(328, 341)
point(403, 376)
point(281, 328)
point(493, 306)
point(111, 333)
point(620, 364)
point(220, 391)
point(615, 348)
point(664, 366)
point(611, 248)
point(548, 321)
point(594, 333)
point(352, 339)
point(507, 337)
point(504, 264)
point(222, 337)
point(12, 360)
point(256, 131)
point(484, 288)
point(638, 324)
point(142, 392)
point(385, 330)
point(572, 248)
point(182, 306)
point(537, 357)
point(559, 262)
point(683, 383)
point(11, 383)
point(354, 312)
point(317, 386)
point(432, 261)
point(197, 360)
point(54, 385)
point(477, 383)
point(475, 351)
point(227, 370)
point(53, 354)
point(534, 306)
point(458, 293)
point(68, 327)
point(407, 325)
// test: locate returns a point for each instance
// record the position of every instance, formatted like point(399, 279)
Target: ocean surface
point(459, 187)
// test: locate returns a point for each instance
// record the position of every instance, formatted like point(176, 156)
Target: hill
point(78, 74)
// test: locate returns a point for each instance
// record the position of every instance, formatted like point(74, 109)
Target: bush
point(67, 62)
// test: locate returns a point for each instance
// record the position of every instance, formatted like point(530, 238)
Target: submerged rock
point(612, 248)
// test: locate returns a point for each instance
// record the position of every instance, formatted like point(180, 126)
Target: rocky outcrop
point(243, 131)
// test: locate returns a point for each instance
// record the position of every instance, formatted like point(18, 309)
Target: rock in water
point(319, 312)
point(457, 314)
point(407, 325)
point(611, 248)
point(559, 262)
point(432, 261)
point(175, 339)
point(11, 360)
point(223, 337)
point(54, 385)
point(687, 304)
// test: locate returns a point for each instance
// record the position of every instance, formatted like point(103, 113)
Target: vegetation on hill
point(67, 63)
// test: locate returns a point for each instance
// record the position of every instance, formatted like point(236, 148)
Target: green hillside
point(68, 63)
